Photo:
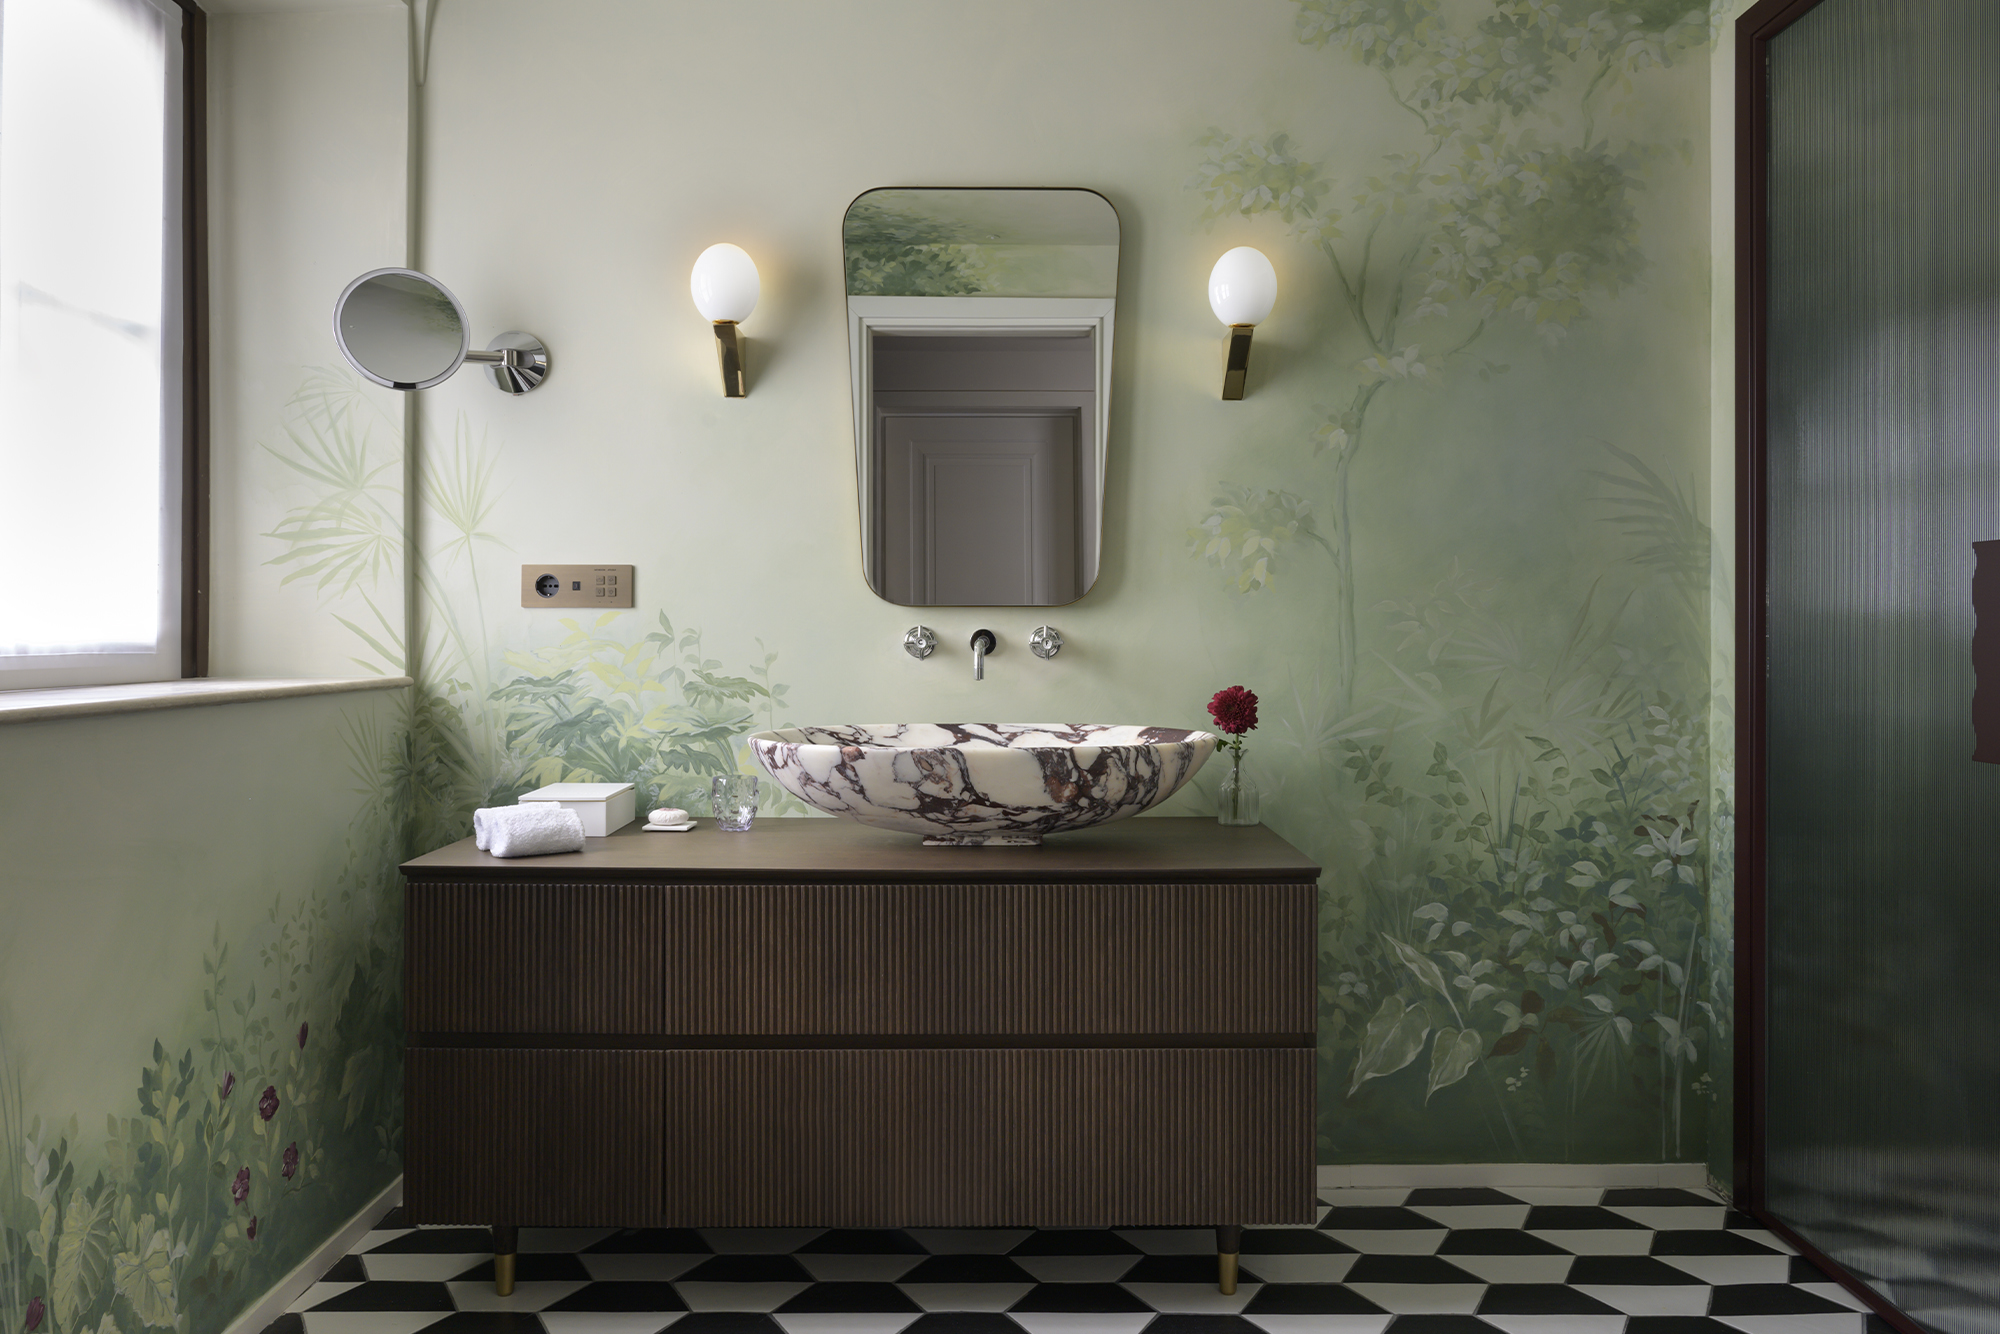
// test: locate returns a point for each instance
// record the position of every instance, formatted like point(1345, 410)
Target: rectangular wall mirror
point(979, 336)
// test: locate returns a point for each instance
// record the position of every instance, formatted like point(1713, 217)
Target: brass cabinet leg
point(506, 1240)
point(1228, 1245)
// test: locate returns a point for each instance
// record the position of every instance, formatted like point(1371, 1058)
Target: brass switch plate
point(602, 586)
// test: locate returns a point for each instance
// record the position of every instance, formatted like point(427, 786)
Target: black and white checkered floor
point(1464, 1261)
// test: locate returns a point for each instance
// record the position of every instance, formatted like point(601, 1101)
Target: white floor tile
point(758, 1240)
point(1833, 1292)
point(1599, 1241)
point(419, 1268)
point(1824, 1323)
point(1763, 1238)
point(859, 1268)
point(525, 1297)
point(639, 1268)
point(1672, 1218)
point(965, 1296)
point(1423, 1298)
point(1391, 1241)
point(1077, 1268)
point(1474, 1215)
point(845, 1322)
point(381, 1236)
point(738, 1296)
point(1650, 1299)
point(969, 1240)
point(1721, 1269)
point(1555, 1194)
point(1315, 1267)
point(1516, 1268)
point(1099, 1322)
point(546, 1239)
point(318, 1293)
point(1320, 1324)
point(1194, 1298)
point(1365, 1197)
point(1173, 1241)
point(370, 1322)
point(1557, 1324)
point(608, 1322)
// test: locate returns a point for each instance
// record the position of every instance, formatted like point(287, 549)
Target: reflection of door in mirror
point(980, 451)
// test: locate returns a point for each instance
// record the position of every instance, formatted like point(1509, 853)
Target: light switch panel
point(576, 585)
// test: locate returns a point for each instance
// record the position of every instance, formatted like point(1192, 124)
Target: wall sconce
point(725, 289)
point(1242, 288)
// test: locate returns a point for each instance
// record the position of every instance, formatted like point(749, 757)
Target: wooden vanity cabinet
point(819, 1024)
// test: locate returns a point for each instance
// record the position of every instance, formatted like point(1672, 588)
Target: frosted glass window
point(89, 334)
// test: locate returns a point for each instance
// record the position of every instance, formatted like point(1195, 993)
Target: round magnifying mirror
point(401, 329)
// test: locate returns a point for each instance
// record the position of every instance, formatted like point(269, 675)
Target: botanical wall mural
point(1516, 946)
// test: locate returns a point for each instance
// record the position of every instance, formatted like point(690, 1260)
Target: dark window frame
point(194, 341)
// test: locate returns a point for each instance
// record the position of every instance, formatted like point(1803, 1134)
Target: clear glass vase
point(1237, 800)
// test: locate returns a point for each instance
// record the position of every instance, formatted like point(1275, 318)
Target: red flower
point(291, 1166)
point(253, 1227)
point(239, 1189)
point(1234, 710)
point(228, 1081)
point(267, 1106)
point(36, 1309)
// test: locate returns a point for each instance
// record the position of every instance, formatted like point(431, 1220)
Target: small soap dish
point(668, 828)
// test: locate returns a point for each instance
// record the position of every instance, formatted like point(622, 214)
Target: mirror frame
point(464, 329)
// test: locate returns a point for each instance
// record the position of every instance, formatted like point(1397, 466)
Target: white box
point(603, 807)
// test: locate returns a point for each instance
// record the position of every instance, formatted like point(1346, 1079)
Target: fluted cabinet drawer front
point(970, 1137)
point(535, 958)
point(544, 1137)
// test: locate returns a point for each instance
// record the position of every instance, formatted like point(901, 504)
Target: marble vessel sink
point(974, 784)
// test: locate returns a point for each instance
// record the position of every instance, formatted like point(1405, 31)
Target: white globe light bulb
point(724, 283)
point(1242, 287)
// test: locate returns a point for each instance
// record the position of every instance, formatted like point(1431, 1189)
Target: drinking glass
point(734, 798)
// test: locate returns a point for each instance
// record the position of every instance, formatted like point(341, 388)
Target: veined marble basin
point(972, 784)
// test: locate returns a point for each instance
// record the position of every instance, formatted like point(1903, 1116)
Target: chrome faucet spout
point(983, 643)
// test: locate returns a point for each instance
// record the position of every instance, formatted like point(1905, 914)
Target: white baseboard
point(293, 1285)
point(1687, 1176)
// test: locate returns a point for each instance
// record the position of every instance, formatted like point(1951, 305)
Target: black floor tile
point(962, 1322)
point(748, 1269)
point(390, 1297)
point(1202, 1324)
point(1079, 1297)
point(851, 1297)
point(489, 1322)
point(1633, 1270)
point(1737, 1218)
point(1805, 1271)
point(651, 1241)
point(1768, 1299)
point(862, 1241)
point(1496, 1241)
point(533, 1267)
point(1311, 1299)
point(1292, 1241)
point(1181, 1269)
point(1381, 1218)
point(727, 1322)
point(1576, 1218)
point(622, 1296)
point(1408, 1269)
point(1075, 1241)
point(1441, 1195)
point(968, 1269)
point(1677, 1324)
point(1656, 1197)
point(1706, 1241)
point(291, 1322)
point(439, 1241)
point(347, 1269)
point(1439, 1324)
point(1540, 1299)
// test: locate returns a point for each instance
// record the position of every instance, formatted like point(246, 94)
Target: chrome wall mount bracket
point(516, 362)
point(1045, 642)
point(920, 641)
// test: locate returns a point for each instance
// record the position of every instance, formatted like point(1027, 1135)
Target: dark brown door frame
point(1754, 33)
point(194, 340)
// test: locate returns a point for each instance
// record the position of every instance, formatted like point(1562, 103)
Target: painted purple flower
point(239, 1189)
point(252, 1232)
point(291, 1166)
point(35, 1312)
point(267, 1106)
point(302, 1036)
point(228, 1082)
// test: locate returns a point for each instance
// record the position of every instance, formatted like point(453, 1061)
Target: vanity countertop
point(1189, 849)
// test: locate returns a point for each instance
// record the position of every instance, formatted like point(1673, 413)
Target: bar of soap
point(668, 815)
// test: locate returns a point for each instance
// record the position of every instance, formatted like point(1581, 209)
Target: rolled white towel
point(532, 830)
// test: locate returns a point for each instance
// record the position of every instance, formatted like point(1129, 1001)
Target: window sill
point(22, 706)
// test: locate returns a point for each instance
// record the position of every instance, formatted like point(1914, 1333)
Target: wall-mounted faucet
point(983, 643)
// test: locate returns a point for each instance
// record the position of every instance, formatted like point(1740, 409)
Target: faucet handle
point(920, 642)
point(987, 635)
point(1045, 643)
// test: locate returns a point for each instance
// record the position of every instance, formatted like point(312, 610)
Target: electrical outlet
point(576, 585)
